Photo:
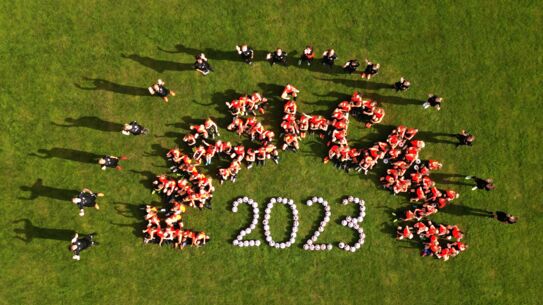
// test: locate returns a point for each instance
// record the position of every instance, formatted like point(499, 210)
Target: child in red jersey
point(404, 233)
point(377, 117)
point(200, 131)
point(259, 102)
point(307, 56)
point(288, 92)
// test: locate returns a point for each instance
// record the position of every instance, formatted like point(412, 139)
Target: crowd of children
point(169, 228)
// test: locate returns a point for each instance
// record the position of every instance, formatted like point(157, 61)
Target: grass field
point(484, 57)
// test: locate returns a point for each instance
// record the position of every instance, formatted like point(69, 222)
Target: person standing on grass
point(160, 90)
point(465, 138)
point(433, 101)
point(329, 57)
point(402, 85)
point(246, 53)
point(307, 56)
point(86, 198)
point(79, 244)
point(277, 56)
point(370, 70)
point(111, 162)
point(202, 65)
point(133, 128)
point(482, 184)
point(351, 66)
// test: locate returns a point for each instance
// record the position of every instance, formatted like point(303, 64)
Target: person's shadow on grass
point(133, 211)
point(91, 122)
point(464, 210)
point(30, 231)
point(67, 154)
point(259, 56)
point(358, 83)
point(426, 136)
point(40, 190)
point(105, 85)
point(159, 65)
point(445, 178)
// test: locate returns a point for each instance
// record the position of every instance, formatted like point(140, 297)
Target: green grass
point(484, 57)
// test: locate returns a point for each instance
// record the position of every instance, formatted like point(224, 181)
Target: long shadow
point(436, 137)
point(30, 231)
point(157, 150)
point(67, 154)
point(426, 136)
point(219, 100)
point(91, 122)
point(260, 56)
point(159, 65)
point(184, 124)
point(390, 99)
point(105, 85)
point(358, 83)
point(133, 211)
point(148, 178)
point(444, 178)
point(40, 190)
point(176, 136)
point(464, 210)
point(211, 53)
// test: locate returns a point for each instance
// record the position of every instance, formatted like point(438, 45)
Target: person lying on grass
point(86, 199)
point(246, 53)
point(79, 244)
point(133, 128)
point(111, 162)
point(371, 69)
point(202, 65)
point(160, 90)
point(277, 57)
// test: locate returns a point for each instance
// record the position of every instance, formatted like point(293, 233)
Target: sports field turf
point(484, 57)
